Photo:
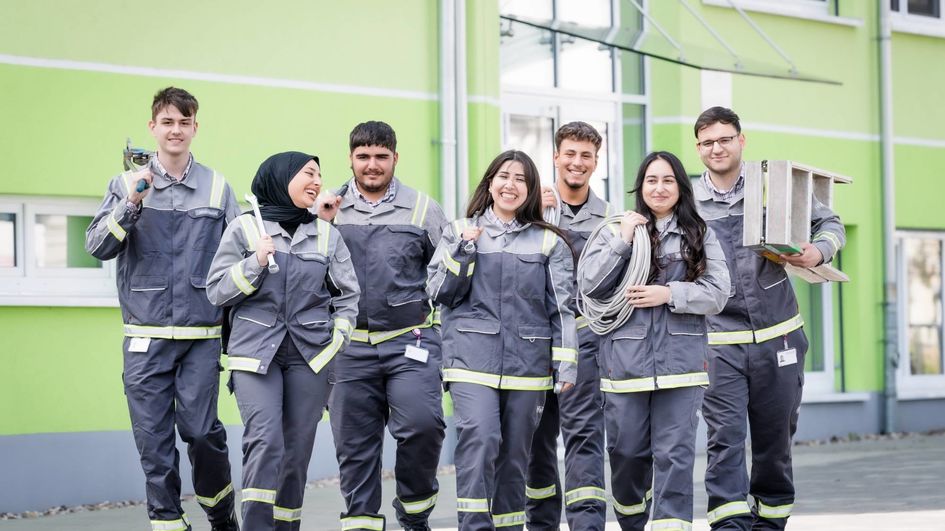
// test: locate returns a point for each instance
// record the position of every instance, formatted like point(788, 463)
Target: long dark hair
point(530, 211)
point(687, 218)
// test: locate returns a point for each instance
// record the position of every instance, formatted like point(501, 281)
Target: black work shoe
point(231, 524)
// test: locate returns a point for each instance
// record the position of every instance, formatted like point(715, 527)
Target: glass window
point(925, 8)
point(585, 65)
point(8, 256)
point(60, 242)
point(923, 269)
point(535, 136)
point(526, 55)
point(534, 9)
point(593, 13)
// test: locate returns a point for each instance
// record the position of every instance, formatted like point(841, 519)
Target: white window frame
point(904, 22)
point(805, 9)
point(30, 285)
point(822, 383)
point(914, 386)
point(15, 208)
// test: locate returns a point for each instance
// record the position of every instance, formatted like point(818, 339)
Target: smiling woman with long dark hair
point(504, 278)
point(653, 367)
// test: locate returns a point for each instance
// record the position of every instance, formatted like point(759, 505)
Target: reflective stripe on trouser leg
point(197, 383)
point(673, 423)
point(416, 422)
point(773, 405)
point(725, 410)
point(519, 416)
point(358, 402)
point(582, 428)
point(631, 464)
point(476, 414)
point(542, 485)
point(305, 394)
point(149, 381)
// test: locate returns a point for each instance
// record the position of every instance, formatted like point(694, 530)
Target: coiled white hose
point(610, 313)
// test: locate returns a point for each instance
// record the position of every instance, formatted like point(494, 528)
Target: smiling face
point(173, 131)
point(575, 162)
point(720, 148)
point(660, 190)
point(509, 189)
point(373, 168)
point(304, 187)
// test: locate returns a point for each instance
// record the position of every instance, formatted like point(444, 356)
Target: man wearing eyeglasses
point(756, 345)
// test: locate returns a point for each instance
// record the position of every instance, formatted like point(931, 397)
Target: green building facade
point(458, 80)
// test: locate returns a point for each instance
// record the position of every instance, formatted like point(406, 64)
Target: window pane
point(601, 179)
point(927, 8)
point(535, 136)
point(7, 239)
point(924, 312)
point(60, 242)
point(593, 13)
point(585, 65)
point(526, 56)
point(534, 9)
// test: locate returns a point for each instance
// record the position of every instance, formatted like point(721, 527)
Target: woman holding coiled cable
point(652, 365)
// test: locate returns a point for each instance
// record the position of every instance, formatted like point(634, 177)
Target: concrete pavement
point(889, 483)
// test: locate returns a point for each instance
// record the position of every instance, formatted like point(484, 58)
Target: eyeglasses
point(724, 142)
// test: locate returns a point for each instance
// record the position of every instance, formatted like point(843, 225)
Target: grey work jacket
point(761, 304)
point(164, 251)
point(662, 347)
point(313, 298)
point(390, 246)
point(507, 322)
point(579, 227)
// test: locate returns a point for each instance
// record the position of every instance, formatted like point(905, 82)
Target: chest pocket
point(205, 227)
point(315, 268)
point(404, 248)
point(530, 275)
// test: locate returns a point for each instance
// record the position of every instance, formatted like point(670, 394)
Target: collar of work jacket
point(305, 230)
point(494, 229)
point(400, 200)
point(162, 180)
point(701, 192)
point(594, 206)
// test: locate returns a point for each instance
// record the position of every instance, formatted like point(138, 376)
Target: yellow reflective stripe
point(124, 179)
point(459, 226)
point(451, 265)
point(362, 522)
point(114, 228)
point(472, 505)
point(526, 383)
point(216, 191)
point(508, 519)
point(564, 354)
point(211, 501)
point(779, 329)
point(259, 495)
point(548, 242)
point(728, 510)
point(344, 325)
point(670, 524)
point(286, 515)
point(250, 230)
point(323, 236)
point(452, 374)
point(416, 507)
point(636, 508)
point(580, 321)
point(244, 285)
point(365, 336)
point(173, 332)
point(326, 355)
point(632, 385)
point(829, 237)
point(584, 493)
point(774, 511)
point(470, 268)
point(731, 338)
point(420, 209)
point(436, 316)
point(671, 381)
point(540, 493)
point(180, 524)
point(237, 363)
point(756, 336)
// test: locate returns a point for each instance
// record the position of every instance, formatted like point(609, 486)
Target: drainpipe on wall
point(448, 177)
point(462, 110)
point(891, 351)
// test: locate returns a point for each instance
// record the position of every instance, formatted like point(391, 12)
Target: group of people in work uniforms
point(370, 303)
